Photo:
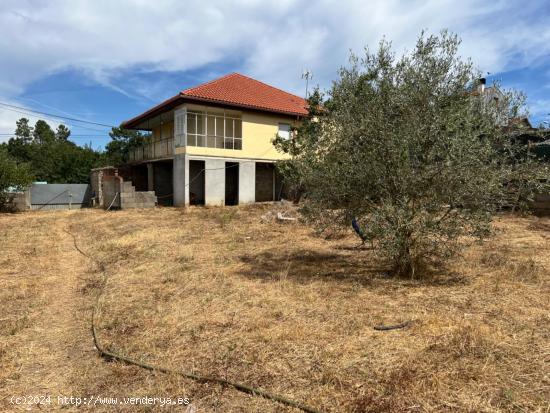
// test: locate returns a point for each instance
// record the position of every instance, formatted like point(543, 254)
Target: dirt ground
point(224, 292)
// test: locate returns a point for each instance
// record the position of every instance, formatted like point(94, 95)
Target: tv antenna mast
point(306, 74)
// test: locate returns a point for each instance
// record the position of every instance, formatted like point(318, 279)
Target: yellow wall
point(258, 132)
point(167, 131)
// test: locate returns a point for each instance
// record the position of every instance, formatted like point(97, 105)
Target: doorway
point(265, 181)
point(196, 182)
point(163, 182)
point(231, 183)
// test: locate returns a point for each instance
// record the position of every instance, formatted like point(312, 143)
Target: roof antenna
point(306, 74)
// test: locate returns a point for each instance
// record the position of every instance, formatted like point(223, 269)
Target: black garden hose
point(109, 355)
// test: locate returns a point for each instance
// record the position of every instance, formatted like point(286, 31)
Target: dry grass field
point(223, 292)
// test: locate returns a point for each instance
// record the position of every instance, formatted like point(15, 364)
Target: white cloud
point(273, 39)
point(7, 123)
point(540, 108)
point(8, 118)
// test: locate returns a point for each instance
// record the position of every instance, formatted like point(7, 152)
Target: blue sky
point(106, 61)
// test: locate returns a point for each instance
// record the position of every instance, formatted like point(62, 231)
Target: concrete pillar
point(150, 177)
point(181, 180)
point(214, 181)
point(247, 182)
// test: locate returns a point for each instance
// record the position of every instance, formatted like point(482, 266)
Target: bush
point(13, 177)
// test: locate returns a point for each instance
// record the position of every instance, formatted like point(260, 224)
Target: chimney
point(481, 85)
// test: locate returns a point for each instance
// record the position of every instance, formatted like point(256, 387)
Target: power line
point(7, 105)
point(50, 107)
point(25, 112)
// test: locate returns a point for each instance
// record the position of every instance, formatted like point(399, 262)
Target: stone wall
point(96, 180)
point(110, 188)
point(120, 194)
point(19, 201)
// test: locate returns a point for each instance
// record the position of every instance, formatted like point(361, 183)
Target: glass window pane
point(238, 144)
point(211, 141)
point(200, 140)
point(191, 123)
point(211, 125)
point(200, 124)
point(219, 126)
point(219, 142)
point(229, 128)
point(191, 140)
point(228, 143)
point(284, 131)
point(238, 128)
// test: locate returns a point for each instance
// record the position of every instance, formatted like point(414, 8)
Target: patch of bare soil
point(229, 293)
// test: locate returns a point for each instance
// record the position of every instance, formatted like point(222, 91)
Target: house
point(212, 144)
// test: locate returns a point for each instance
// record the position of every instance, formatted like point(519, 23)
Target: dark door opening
point(231, 183)
point(265, 179)
point(162, 182)
point(138, 175)
point(196, 182)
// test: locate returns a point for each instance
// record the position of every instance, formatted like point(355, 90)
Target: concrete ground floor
point(195, 180)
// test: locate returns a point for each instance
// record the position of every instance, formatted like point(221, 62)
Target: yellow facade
point(258, 132)
point(167, 131)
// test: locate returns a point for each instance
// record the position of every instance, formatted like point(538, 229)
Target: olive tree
point(409, 148)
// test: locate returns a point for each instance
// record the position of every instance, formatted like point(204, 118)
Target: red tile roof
point(234, 90)
point(244, 91)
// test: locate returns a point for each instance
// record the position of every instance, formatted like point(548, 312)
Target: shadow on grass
point(304, 266)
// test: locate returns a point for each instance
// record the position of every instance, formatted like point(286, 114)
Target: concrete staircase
point(130, 198)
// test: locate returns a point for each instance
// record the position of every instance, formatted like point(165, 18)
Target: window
point(284, 131)
point(179, 116)
point(215, 129)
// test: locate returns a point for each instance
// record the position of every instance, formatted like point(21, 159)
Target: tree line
point(49, 155)
point(39, 153)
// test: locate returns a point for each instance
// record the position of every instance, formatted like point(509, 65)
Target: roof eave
point(241, 105)
point(135, 121)
point(181, 98)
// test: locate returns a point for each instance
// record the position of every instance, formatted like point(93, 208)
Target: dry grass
point(225, 292)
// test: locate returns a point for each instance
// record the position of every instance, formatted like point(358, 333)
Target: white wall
point(247, 182)
point(180, 180)
point(214, 181)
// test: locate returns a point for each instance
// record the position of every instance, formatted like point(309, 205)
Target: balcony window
point(214, 129)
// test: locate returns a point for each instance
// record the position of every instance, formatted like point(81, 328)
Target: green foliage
point(122, 140)
point(542, 149)
point(305, 133)
point(23, 130)
point(50, 156)
point(409, 148)
point(62, 132)
point(43, 133)
point(13, 176)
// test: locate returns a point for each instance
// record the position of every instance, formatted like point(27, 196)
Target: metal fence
point(60, 196)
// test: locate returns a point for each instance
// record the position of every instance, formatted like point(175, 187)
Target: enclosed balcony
point(156, 149)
